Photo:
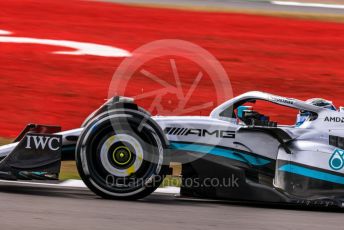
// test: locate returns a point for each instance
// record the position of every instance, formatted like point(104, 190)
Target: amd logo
point(334, 119)
point(199, 132)
point(43, 142)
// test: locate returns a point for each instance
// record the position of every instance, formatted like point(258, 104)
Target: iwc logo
point(337, 160)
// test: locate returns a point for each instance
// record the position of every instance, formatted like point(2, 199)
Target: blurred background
point(52, 70)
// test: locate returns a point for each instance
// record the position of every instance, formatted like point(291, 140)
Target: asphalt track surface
point(37, 207)
point(238, 5)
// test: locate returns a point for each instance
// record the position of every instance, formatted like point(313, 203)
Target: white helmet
point(305, 115)
point(321, 103)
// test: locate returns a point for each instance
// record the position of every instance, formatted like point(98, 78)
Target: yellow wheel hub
point(122, 155)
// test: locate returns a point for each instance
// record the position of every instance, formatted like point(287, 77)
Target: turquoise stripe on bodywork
point(312, 173)
point(218, 151)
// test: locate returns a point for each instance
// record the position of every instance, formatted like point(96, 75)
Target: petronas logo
point(337, 160)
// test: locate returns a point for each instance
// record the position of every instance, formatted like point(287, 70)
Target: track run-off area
point(55, 79)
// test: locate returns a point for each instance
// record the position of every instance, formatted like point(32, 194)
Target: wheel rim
point(121, 155)
point(148, 174)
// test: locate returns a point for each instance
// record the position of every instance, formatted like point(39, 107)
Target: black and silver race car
point(235, 153)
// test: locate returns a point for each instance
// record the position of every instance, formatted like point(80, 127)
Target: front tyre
point(120, 155)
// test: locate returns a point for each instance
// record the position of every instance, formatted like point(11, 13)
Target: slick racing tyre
point(120, 155)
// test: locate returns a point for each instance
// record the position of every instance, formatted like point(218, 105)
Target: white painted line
point(168, 190)
point(5, 32)
point(322, 5)
point(24, 183)
point(73, 183)
point(41, 184)
point(80, 48)
point(78, 184)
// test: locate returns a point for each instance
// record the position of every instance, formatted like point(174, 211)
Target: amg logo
point(43, 142)
point(199, 132)
point(335, 119)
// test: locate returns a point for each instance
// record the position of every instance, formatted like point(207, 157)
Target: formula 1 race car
point(235, 153)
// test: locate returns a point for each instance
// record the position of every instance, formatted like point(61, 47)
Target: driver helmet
point(304, 115)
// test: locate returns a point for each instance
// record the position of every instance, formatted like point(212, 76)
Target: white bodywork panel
point(310, 140)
